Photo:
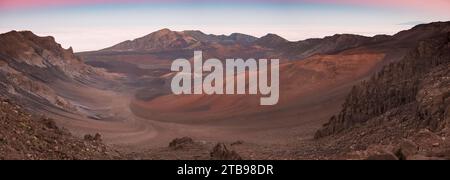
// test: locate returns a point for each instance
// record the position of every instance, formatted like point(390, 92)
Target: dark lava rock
point(221, 152)
point(383, 156)
point(181, 143)
point(96, 137)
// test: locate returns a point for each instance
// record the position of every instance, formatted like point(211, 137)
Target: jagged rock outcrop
point(420, 80)
point(181, 143)
point(24, 51)
point(221, 152)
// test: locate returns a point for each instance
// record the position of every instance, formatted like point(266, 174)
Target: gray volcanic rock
point(399, 84)
point(26, 137)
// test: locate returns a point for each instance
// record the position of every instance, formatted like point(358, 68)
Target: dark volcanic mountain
point(271, 41)
point(158, 41)
point(166, 39)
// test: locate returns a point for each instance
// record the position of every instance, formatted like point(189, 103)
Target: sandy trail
point(121, 127)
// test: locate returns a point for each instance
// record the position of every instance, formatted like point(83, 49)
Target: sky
point(96, 24)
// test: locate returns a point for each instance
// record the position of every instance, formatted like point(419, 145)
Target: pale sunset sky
point(96, 24)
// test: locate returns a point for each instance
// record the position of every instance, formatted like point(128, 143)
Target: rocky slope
point(32, 52)
point(33, 69)
point(405, 105)
point(400, 84)
point(23, 136)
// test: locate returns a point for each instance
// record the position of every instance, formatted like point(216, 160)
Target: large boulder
point(221, 152)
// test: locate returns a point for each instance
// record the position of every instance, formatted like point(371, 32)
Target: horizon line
point(229, 34)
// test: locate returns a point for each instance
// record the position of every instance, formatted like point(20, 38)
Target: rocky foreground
point(23, 136)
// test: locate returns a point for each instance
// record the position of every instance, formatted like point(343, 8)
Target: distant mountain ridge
point(165, 39)
point(398, 85)
point(211, 38)
point(269, 45)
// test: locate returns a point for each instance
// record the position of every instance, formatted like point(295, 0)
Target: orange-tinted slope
point(304, 84)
